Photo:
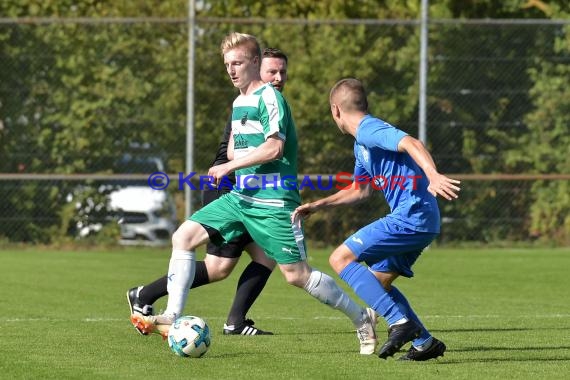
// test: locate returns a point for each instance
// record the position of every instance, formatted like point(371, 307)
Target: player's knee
point(179, 238)
point(189, 236)
point(259, 256)
point(295, 281)
point(219, 274)
point(266, 262)
point(340, 258)
point(296, 274)
point(219, 268)
point(386, 284)
point(183, 236)
point(386, 279)
point(294, 278)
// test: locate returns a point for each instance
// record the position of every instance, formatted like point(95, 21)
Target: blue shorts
point(387, 247)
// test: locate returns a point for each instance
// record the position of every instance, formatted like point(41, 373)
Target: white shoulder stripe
point(270, 101)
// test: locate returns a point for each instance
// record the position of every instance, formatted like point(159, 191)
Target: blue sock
point(369, 289)
point(406, 309)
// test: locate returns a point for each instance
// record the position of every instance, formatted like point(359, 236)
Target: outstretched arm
point(350, 195)
point(438, 183)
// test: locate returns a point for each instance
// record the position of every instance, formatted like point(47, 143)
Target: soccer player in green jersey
point(220, 260)
point(263, 154)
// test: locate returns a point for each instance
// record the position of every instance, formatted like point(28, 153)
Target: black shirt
point(222, 154)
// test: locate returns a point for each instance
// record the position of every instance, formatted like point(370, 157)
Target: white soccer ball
point(189, 336)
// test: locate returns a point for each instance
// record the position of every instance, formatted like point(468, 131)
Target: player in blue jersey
point(389, 160)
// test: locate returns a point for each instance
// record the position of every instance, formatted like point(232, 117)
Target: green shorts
point(270, 227)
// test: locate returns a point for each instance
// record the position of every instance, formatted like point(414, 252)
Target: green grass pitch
point(503, 313)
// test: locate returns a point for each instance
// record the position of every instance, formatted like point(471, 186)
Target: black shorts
point(233, 248)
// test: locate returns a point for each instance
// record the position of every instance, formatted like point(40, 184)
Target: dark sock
point(201, 276)
point(250, 285)
point(153, 291)
point(157, 289)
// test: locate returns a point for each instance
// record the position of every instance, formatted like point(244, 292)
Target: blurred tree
point(75, 97)
point(480, 89)
point(544, 148)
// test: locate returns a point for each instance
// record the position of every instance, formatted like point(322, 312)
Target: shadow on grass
point(489, 348)
point(501, 360)
point(486, 351)
point(494, 329)
point(380, 331)
point(302, 333)
point(276, 351)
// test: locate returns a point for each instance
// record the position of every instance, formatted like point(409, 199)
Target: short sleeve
point(381, 135)
point(272, 113)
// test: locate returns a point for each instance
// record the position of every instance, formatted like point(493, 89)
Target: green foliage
point(494, 99)
point(30, 211)
point(75, 97)
point(545, 146)
point(88, 83)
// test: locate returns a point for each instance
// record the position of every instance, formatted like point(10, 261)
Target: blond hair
point(235, 39)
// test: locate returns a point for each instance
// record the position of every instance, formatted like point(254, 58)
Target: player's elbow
point(409, 143)
point(277, 153)
point(274, 147)
point(274, 152)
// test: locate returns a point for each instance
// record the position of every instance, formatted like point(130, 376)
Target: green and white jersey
point(255, 117)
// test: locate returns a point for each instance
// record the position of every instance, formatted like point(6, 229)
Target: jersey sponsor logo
point(240, 142)
point(244, 119)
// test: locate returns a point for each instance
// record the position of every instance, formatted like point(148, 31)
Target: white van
point(146, 216)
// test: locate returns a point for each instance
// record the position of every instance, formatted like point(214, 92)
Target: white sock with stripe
point(325, 289)
point(181, 272)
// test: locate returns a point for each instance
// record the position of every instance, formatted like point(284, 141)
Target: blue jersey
point(396, 174)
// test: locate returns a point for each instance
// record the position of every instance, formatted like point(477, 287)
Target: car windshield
point(139, 164)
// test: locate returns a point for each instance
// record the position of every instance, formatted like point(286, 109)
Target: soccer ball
point(189, 336)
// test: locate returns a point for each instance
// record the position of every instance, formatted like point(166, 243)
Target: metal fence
point(86, 105)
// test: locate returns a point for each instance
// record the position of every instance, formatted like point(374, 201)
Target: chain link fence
point(90, 106)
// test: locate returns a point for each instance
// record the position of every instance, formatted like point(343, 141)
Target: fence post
point(422, 128)
point(190, 104)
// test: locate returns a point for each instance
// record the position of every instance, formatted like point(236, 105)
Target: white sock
point(400, 322)
point(181, 272)
point(426, 345)
point(325, 289)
